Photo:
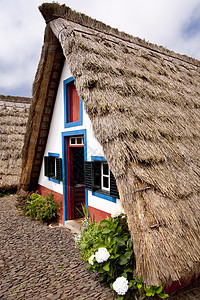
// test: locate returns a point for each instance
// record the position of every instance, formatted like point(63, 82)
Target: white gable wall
point(54, 145)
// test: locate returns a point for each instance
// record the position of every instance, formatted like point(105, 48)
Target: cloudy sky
point(175, 24)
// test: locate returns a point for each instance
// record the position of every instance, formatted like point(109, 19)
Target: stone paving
point(39, 262)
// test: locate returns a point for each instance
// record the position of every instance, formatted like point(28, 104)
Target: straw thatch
point(143, 102)
point(13, 117)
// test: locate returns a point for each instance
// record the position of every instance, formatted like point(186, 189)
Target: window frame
point(105, 176)
point(68, 124)
point(53, 177)
point(91, 180)
point(76, 144)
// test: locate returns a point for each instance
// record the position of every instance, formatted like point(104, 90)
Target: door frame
point(66, 135)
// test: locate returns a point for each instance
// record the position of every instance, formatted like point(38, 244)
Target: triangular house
point(14, 113)
point(142, 102)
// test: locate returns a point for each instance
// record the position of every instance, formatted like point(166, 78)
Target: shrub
point(107, 247)
point(2, 195)
point(41, 208)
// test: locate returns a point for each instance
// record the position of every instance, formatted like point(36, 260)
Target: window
point(76, 141)
point(53, 167)
point(99, 178)
point(73, 106)
point(105, 177)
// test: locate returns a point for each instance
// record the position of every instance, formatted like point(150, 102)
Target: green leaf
point(163, 295)
point(109, 240)
point(128, 270)
point(98, 245)
point(150, 292)
point(115, 256)
point(125, 237)
point(131, 283)
point(101, 277)
point(106, 230)
point(104, 223)
point(138, 280)
point(90, 271)
point(123, 260)
point(106, 267)
point(88, 266)
point(158, 289)
point(119, 241)
point(139, 286)
point(124, 275)
point(128, 254)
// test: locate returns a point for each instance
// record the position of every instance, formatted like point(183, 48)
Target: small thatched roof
point(14, 113)
point(143, 102)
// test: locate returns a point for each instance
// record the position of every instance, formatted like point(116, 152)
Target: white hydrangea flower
point(102, 255)
point(91, 259)
point(116, 212)
point(120, 285)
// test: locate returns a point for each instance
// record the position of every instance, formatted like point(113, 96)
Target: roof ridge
point(51, 11)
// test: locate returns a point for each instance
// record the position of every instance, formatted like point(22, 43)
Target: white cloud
point(164, 22)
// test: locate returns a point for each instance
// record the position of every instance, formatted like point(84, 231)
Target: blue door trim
point(64, 167)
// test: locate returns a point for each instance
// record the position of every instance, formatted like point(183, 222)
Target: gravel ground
point(39, 262)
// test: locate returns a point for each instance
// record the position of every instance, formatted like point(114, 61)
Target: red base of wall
point(176, 286)
point(99, 214)
point(58, 198)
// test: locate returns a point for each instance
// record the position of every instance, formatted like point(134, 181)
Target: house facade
point(74, 168)
point(142, 102)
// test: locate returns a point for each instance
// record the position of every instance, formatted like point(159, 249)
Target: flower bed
point(108, 248)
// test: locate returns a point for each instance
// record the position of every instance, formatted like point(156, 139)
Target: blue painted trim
point(53, 154)
point(68, 124)
point(64, 167)
point(50, 178)
point(100, 158)
point(105, 197)
point(86, 198)
point(54, 180)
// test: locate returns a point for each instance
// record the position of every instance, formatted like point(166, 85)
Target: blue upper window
point(73, 106)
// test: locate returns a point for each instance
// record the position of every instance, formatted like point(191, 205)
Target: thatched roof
point(14, 113)
point(143, 102)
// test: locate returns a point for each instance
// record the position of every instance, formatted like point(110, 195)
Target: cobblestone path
point(38, 262)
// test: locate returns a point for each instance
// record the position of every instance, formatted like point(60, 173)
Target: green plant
point(4, 194)
point(89, 235)
point(107, 247)
point(41, 208)
point(151, 290)
point(113, 235)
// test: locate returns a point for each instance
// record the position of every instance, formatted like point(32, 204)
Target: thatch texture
point(143, 102)
point(14, 113)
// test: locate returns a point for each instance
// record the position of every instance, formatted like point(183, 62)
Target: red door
point(75, 176)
